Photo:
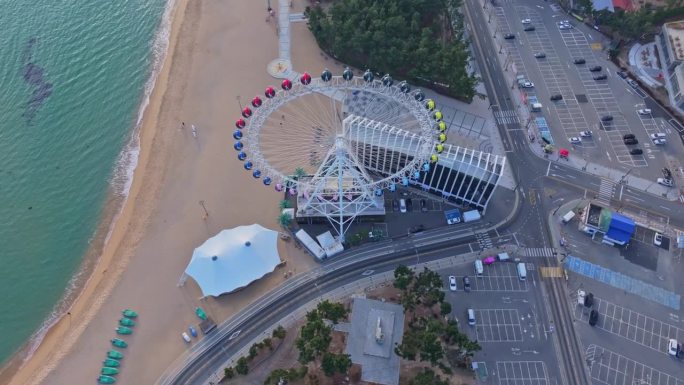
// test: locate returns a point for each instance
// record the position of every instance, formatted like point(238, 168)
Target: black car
point(607, 118)
point(579, 61)
point(628, 136)
point(593, 317)
point(466, 283)
point(529, 28)
point(557, 97)
point(540, 55)
point(423, 205)
point(630, 141)
point(601, 77)
point(595, 68)
point(409, 205)
point(509, 36)
point(395, 205)
point(416, 229)
point(622, 74)
point(636, 151)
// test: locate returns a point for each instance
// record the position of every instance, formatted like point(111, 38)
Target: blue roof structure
point(621, 228)
point(453, 216)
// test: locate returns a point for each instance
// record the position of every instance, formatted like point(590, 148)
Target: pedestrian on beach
point(182, 125)
point(194, 131)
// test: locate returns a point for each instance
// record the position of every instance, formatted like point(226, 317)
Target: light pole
point(206, 213)
point(239, 102)
point(622, 180)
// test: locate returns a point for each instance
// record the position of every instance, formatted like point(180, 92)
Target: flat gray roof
point(379, 363)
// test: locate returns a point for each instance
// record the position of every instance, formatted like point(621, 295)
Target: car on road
point(585, 134)
point(601, 77)
point(665, 182)
point(402, 205)
point(526, 21)
point(579, 61)
point(466, 283)
point(622, 74)
point(452, 283)
point(607, 118)
point(509, 36)
point(636, 151)
point(593, 317)
point(423, 205)
point(395, 205)
point(673, 347)
point(630, 141)
point(527, 85)
point(658, 135)
point(628, 136)
point(416, 229)
point(659, 142)
point(540, 55)
point(575, 140)
point(529, 28)
point(644, 111)
point(657, 239)
point(556, 97)
point(595, 68)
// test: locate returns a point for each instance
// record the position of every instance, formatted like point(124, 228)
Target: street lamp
point(622, 180)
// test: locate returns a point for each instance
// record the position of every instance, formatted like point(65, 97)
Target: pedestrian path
point(606, 191)
point(508, 116)
point(623, 282)
point(538, 252)
point(484, 241)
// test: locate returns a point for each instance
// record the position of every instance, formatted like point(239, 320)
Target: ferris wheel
point(337, 142)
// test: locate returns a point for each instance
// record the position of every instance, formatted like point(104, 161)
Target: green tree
point(268, 343)
point(343, 363)
point(332, 311)
point(299, 172)
point(284, 220)
point(445, 308)
point(284, 204)
point(242, 367)
point(279, 332)
point(253, 352)
point(328, 364)
point(403, 277)
point(229, 372)
point(427, 377)
point(431, 348)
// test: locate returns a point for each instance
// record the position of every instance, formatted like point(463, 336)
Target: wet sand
point(218, 50)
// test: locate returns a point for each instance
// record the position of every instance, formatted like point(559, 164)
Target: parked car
point(575, 140)
point(607, 118)
point(529, 28)
point(423, 205)
point(579, 61)
point(659, 142)
point(402, 205)
point(665, 182)
point(673, 347)
point(632, 83)
point(630, 141)
point(622, 74)
point(416, 229)
point(489, 260)
point(593, 317)
point(659, 135)
point(658, 239)
point(601, 77)
point(644, 111)
point(526, 21)
point(636, 151)
point(540, 55)
point(509, 36)
point(528, 85)
point(557, 97)
point(595, 68)
point(585, 134)
point(452, 283)
point(395, 205)
point(628, 136)
point(186, 337)
point(466, 283)
point(409, 205)
point(564, 26)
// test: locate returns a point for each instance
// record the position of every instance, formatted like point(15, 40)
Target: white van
point(471, 317)
point(503, 257)
point(568, 216)
point(536, 107)
point(479, 268)
point(522, 271)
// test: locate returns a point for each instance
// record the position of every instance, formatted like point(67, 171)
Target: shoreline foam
point(120, 184)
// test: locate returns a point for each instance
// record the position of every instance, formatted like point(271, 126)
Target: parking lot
point(611, 368)
point(522, 373)
point(498, 325)
point(631, 325)
point(497, 277)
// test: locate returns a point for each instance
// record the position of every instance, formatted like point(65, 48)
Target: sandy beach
point(218, 51)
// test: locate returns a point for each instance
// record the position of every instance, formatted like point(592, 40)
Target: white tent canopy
point(233, 259)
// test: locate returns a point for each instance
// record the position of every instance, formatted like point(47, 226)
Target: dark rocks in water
point(34, 75)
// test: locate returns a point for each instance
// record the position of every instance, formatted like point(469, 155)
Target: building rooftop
point(675, 35)
point(376, 327)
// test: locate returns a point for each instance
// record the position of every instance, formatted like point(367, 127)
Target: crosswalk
point(551, 272)
point(484, 241)
point(538, 252)
point(508, 116)
point(606, 191)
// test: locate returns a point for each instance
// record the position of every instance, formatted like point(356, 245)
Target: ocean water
point(74, 79)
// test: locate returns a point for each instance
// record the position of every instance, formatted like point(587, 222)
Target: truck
point(568, 216)
point(471, 216)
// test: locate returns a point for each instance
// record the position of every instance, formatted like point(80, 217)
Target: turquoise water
point(73, 77)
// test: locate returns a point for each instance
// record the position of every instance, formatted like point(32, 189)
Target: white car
point(186, 337)
point(658, 239)
point(659, 135)
point(564, 26)
point(528, 85)
point(585, 134)
point(644, 111)
point(452, 283)
point(659, 142)
point(665, 182)
point(526, 21)
point(575, 140)
point(672, 347)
